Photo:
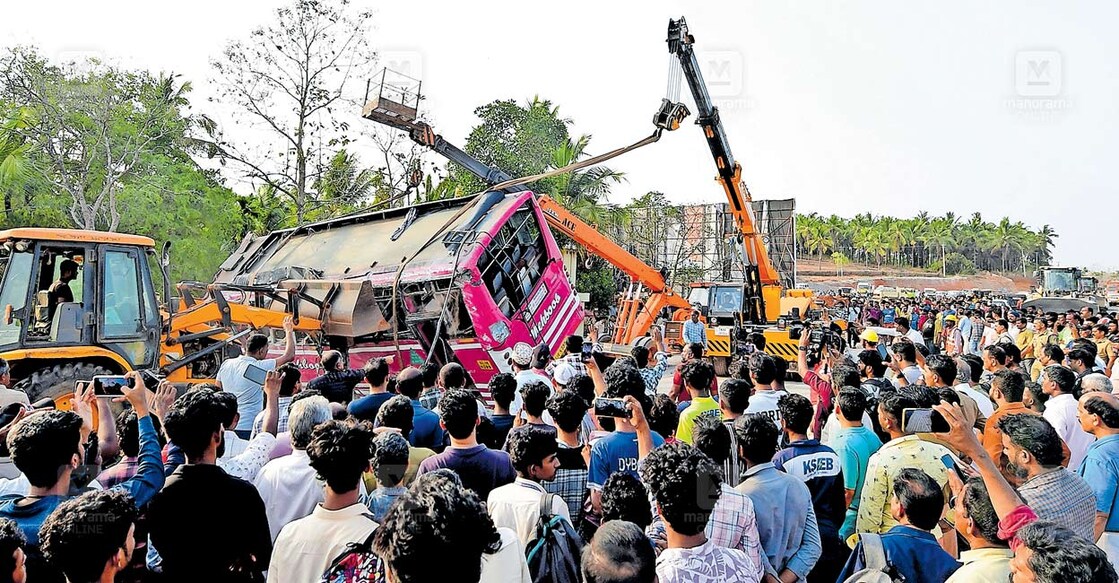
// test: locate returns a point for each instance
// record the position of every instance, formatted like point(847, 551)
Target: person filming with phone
point(904, 450)
point(49, 446)
point(244, 376)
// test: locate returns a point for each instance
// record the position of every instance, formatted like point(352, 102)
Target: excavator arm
point(635, 316)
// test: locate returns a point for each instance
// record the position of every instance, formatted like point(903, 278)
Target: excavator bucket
point(346, 308)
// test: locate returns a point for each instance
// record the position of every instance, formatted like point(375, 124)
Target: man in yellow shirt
point(697, 373)
point(1025, 340)
point(902, 451)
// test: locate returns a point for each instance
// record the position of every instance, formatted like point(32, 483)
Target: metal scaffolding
point(694, 243)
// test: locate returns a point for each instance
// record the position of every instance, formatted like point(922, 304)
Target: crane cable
point(655, 136)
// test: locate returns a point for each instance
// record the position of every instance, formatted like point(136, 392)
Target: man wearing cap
point(522, 361)
point(868, 340)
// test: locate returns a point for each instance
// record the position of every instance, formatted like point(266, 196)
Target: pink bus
point(479, 275)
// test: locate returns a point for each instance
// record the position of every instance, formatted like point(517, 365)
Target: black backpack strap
point(546, 505)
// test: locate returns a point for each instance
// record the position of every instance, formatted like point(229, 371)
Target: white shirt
point(290, 488)
point(508, 564)
point(516, 506)
point(986, 405)
point(21, 486)
point(764, 402)
point(250, 396)
point(9, 396)
point(234, 446)
point(916, 337)
point(306, 547)
point(1060, 412)
point(248, 464)
point(706, 563)
point(831, 426)
point(912, 374)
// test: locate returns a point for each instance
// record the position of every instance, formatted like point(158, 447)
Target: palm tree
point(15, 151)
point(583, 192)
point(941, 233)
point(1045, 241)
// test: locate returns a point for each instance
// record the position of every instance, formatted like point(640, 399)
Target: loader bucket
point(351, 310)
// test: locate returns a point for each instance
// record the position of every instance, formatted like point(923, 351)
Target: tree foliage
point(93, 128)
point(97, 147)
point(946, 243)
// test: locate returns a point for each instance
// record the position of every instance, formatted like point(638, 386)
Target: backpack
point(878, 569)
point(357, 563)
point(554, 555)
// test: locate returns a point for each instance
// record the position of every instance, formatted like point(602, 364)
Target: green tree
point(95, 127)
point(840, 261)
point(521, 140)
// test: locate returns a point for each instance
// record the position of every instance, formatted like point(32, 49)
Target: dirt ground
point(822, 276)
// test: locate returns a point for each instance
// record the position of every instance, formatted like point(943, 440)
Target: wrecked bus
point(459, 280)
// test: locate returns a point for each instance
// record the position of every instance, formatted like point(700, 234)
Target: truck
point(1064, 288)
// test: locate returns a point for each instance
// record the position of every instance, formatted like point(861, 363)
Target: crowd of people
point(919, 455)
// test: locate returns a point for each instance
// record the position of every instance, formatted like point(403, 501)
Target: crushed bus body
point(459, 280)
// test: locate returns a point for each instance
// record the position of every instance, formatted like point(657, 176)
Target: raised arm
point(149, 475)
point(107, 430)
point(289, 338)
point(271, 402)
point(961, 437)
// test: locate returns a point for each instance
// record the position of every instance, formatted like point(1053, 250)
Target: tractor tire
point(722, 365)
point(59, 380)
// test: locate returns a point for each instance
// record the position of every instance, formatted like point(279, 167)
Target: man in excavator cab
point(59, 291)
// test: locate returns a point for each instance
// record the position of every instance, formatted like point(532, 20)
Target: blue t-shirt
point(818, 466)
point(616, 452)
point(366, 408)
point(854, 446)
point(889, 315)
point(426, 431)
point(1100, 469)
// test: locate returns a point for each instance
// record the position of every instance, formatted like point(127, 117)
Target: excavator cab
point(75, 304)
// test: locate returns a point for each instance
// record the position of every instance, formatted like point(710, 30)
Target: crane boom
point(730, 172)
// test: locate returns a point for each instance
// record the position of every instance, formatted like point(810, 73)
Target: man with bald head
point(1099, 415)
point(425, 422)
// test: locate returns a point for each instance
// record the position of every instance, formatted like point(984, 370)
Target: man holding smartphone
point(236, 377)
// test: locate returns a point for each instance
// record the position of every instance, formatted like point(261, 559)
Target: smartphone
point(110, 385)
point(255, 374)
point(604, 407)
point(923, 421)
point(587, 348)
point(952, 465)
